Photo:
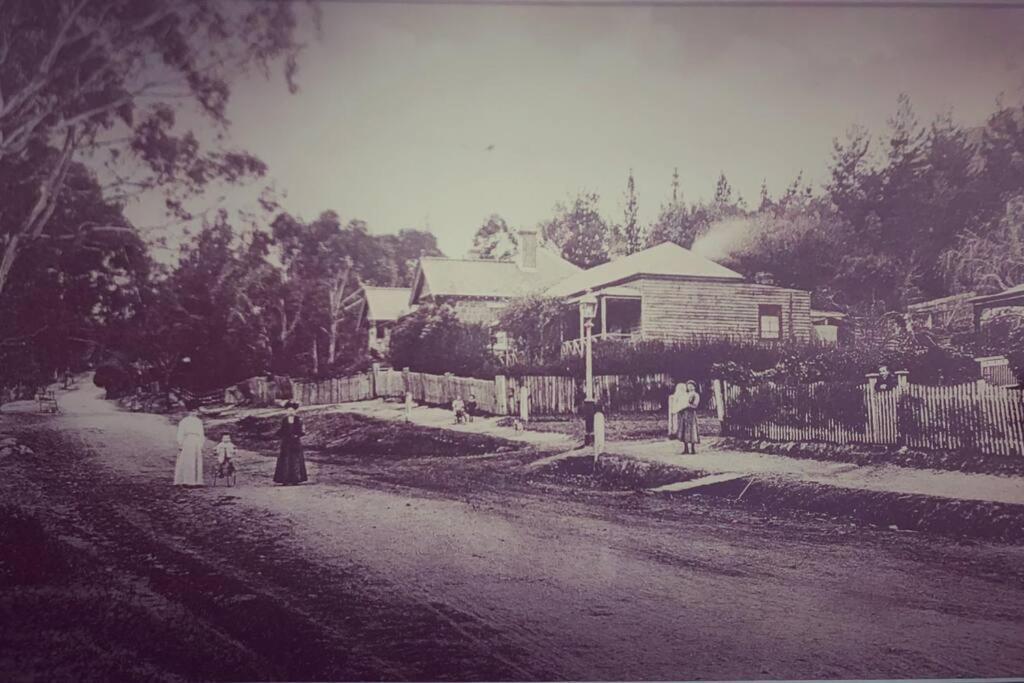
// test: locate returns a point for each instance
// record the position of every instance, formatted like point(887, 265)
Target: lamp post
point(588, 310)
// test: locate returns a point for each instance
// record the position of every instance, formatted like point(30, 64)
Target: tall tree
point(494, 240)
point(579, 231)
point(632, 231)
point(66, 297)
point(94, 75)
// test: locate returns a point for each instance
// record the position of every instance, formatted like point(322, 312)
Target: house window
point(500, 341)
point(379, 331)
point(769, 322)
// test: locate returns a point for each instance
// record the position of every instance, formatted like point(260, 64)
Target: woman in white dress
point(188, 470)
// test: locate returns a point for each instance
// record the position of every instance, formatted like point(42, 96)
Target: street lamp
point(588, 311)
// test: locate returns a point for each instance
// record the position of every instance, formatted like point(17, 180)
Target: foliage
point(579, 231)
point(631, 233)
point(91, 76)
point(494, 240)
point(533, 325)
point(67, 296)
point(434, 340)
point(117, 378)
point(801, 405)
point(746, 364)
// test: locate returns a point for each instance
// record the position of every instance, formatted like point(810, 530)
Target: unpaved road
point(376, 570)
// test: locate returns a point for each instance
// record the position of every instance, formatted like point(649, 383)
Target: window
point(769, 322)
point(379, 330)
point(500, 341)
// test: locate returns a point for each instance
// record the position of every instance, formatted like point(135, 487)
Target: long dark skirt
point(687, 429)
point(291, 466)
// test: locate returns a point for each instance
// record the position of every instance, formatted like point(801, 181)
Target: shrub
point(434, 340)
point(116, 378)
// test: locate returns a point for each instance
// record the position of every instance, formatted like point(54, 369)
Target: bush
point(435, 341)
point(117, 379)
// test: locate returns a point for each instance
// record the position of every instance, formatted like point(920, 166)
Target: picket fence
point(977, 417)
point(546, 395)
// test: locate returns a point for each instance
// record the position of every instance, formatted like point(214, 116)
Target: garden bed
point(956, 461)
point(351, 434)
point(621, 426)
point(776, 496)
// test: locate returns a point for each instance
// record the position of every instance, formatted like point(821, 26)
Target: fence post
point(374, 379)
point(405, 381)
point(501, 394)
point(449, 389)
point(719, 398)
point(524, 404)
point(902, 382)
point(872, 408)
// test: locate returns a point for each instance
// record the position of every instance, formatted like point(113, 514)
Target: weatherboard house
point(666, 293)
point(378, 309)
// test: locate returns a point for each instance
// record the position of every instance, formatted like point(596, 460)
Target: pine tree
point(632, 230)
point(723, 191)
point(766, 201)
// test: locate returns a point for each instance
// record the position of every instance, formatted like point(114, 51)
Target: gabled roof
point(386, 303)
point(663, 259)
point(486, 278)
point(1011, 294)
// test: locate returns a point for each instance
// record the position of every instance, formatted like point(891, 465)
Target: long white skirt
point(188, 470)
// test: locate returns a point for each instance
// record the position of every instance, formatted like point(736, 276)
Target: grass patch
point(349, 434)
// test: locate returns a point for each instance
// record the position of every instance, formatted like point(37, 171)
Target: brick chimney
point(527, 249)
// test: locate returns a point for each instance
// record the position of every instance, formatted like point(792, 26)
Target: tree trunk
point(332, 345)
point(7, 262)
point(316, 359)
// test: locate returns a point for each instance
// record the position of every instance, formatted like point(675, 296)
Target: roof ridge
point(465, 260)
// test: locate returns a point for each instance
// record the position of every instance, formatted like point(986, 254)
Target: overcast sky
point(439, 115)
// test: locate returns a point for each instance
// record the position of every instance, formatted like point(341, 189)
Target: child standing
point(225, 451)
point(459, 410)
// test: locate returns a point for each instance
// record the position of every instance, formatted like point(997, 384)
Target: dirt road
point(395, 569)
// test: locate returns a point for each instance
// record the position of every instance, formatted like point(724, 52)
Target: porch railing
point(576, 347)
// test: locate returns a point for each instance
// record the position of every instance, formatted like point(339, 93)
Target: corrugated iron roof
point(666, 258)
point(496, 279)
point(386, 303)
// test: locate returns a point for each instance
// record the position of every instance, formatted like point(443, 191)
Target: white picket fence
point(546, 395)
point(977, 417)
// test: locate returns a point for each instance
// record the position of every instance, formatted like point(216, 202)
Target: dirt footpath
point(452, 568)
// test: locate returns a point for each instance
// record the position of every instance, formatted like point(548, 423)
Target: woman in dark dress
point(291, 466)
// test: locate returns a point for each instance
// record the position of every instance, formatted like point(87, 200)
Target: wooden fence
point(337, 390)
point(976, 417)
point(546, 395)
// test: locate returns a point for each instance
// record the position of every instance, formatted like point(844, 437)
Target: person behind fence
point(685, 402)
point(471, 407)
point(887, 381)
point(225, 451)
point(188, 469)
point(459, 410)
point(291, 465)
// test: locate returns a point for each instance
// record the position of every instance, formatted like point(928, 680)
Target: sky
point(436, 116)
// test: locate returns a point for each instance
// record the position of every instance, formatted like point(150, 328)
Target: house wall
point(383, 344)
point(680, 309)
point(482, 311)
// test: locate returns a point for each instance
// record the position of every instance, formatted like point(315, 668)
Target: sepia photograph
point(511, 340)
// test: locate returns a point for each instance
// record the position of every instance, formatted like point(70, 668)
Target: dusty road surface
point(456, 568)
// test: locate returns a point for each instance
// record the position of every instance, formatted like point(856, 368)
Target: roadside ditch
point(897, 512)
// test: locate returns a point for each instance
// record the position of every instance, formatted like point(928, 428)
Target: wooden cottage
point(377, 311)
point(478, 289)
point(669, 293)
